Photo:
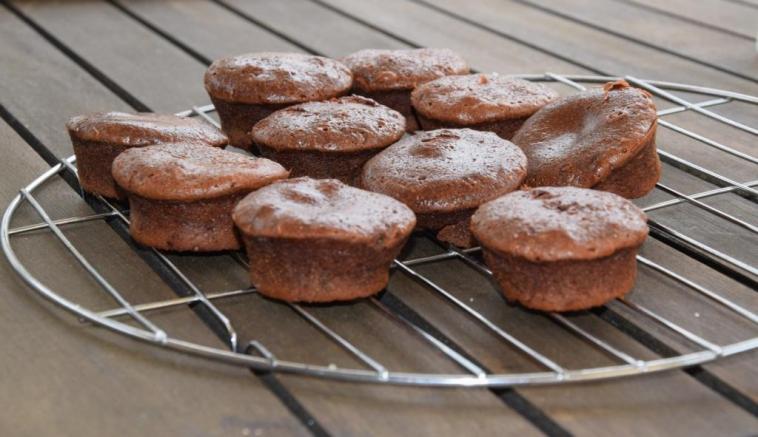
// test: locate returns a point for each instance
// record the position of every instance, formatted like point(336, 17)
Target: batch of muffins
point(347, 157)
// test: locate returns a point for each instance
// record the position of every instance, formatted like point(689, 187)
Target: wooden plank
point(429, 29)
point(659, 404)
point(155, 72)
point(338, 405)
point(729, 17)
point(675, 36)
point(340, 413)
point(591, 46)
point(28, 59)
point(206, 27)
point(295, 18)
point(62, 377)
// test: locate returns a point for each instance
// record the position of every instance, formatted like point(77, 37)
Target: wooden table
point(61, 377)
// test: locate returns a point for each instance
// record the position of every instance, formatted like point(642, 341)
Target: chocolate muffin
point(99, 138)
point(561, 248)
point(602, 138)
point(181, 196)
point(444, 175)
point(389, 76)
point(246, 88)
point(330, 139)
point(319, 240)
point(489, 102)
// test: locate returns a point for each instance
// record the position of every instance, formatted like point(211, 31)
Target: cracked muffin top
point(142, 129)
point(580, 139)
point(559, 223)
point(276, 78)
point(446, 170)
point(303, 208)
point(187, 172)
point(387, 70)
point(480, 98)
point(339, 125)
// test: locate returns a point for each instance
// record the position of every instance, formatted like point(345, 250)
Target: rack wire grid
point(255, 354)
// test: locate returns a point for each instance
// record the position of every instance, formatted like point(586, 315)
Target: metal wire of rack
point(256, 355)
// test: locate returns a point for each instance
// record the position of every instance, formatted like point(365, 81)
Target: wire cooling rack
point(255, 354)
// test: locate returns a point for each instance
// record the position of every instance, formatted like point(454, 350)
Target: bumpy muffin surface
point(480, 98)
point(141, 129)
point(276, 78)
point(559, 223)
point(581, 139)
point(384, 70)
point(446, 170)
point(305, 208)
point(187, 172)
point(345, 124)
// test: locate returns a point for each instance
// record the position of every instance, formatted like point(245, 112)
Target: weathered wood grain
point(675, 36)
point(61, 377)
point(428, 29)
point(206, 27)
point(728, 16)
point(162, 77)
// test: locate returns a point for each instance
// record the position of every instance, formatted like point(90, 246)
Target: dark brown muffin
point(246, 88)
point(181, 196)
point(389, 76)
point(602, 138)
point(444, 175)
point(330, 139)
point(489, 102)
point(99, 138)
point(319, 240)
point(561, 248)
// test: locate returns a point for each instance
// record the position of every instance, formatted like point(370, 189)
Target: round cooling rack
point(256, 355)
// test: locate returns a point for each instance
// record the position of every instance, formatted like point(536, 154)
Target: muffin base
point(438, 220)
point(317, 270)
point(93, 161)
point(638, 176)
point(503, 128)
point(458, 234)
point(452, 227)
point(199, 226)
point(345, 166)
point(400, 101)
point(238, 119)
point(564, 285)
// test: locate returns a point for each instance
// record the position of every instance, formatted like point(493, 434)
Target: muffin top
point(338, 125)
point(187, 172)
point(480, 98)
point(142, 129)
point(276, 78)
point(305, 208)
point(579, 140)
point(385, 70)
point(559, 223)
point(446, 170)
